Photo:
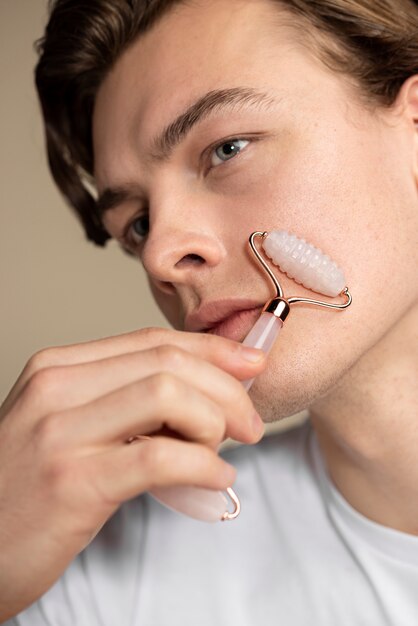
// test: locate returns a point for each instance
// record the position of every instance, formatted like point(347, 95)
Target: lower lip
point(237, 325)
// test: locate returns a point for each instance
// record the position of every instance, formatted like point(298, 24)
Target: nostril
point(191, 259)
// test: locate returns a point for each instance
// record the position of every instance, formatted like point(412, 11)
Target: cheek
point(354, 198)
point(349, 194)
point(306, 362)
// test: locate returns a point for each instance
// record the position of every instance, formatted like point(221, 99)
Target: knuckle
point(212, 429)
point(164, 386)
point(216, 342)
point(235, 394)
point(153, 333)
point(42, 384)
point(239, 409)
point(170, 357)
point(216, 348)
point(42, 359)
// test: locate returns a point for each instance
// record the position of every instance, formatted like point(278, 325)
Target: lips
point(227, 318)
point(237, 325)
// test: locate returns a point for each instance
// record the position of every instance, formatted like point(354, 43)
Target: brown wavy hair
point(375, 42)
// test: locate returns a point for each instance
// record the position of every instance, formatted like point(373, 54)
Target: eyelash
point(128, 242)
point(209, 152)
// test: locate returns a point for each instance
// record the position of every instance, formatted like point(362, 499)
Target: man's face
point(280, 142)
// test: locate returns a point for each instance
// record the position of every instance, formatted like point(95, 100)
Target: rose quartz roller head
point(306, 265)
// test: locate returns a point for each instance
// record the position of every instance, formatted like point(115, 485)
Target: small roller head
point(306, 264)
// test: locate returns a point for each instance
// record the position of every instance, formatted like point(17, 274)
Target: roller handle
point(262, 335)
point(205, 504)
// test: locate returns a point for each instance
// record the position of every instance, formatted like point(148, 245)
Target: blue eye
point(227, 151)
point(139, 228)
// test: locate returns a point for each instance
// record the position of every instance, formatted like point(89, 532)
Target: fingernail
point(253, 355)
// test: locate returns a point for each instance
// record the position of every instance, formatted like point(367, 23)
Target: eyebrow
point(175, 132)
point(112, 197)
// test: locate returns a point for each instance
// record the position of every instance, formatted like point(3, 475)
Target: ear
point(407, 105)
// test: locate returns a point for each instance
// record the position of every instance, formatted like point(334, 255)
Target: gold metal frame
point(237, 506)
point(279, 305)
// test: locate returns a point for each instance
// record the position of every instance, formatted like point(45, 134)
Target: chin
point(291, 387)
point(274, 406)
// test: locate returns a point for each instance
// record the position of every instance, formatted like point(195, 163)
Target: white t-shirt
point(298, 555)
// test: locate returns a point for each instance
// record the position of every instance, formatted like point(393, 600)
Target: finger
point(235, 358)
point(146, 406)
point(68, 387)
point(126, 471)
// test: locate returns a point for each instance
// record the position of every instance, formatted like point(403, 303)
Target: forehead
point(209, 39)
point(196, 48)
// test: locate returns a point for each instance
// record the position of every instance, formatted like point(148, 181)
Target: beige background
point(56, 288)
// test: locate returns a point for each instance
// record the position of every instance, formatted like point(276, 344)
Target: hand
point(65, 467)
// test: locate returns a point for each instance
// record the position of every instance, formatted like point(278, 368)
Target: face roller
point(308, 266)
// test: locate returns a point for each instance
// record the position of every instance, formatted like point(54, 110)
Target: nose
point(181, 253)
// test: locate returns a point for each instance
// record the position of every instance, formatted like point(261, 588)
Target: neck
point(368, 429)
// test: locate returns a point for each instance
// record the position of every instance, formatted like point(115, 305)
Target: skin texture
point(327, 167)
point(63, 432)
